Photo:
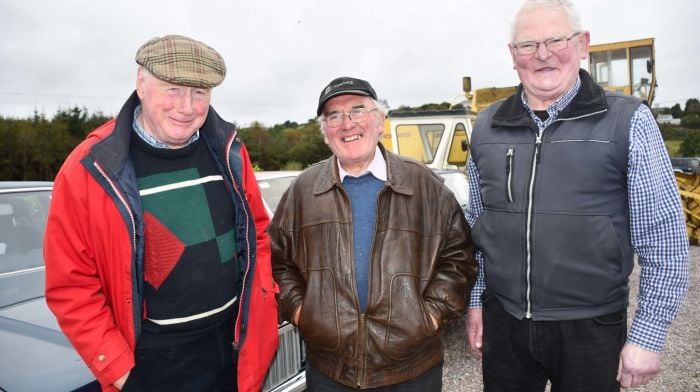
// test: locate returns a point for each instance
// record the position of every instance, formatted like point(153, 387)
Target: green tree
point(690, 146)
point(260, 146)
point(309, 147)
point(427, 106)
point(676, 111)
point(691, 121)
point(692, 107)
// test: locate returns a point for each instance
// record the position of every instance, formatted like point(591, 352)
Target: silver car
point(35, 355)
point(287, 371)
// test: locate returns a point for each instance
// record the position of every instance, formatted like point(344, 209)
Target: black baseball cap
point(344, 85)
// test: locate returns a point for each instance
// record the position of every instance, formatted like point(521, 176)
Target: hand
point(295, 316)
point(121, 380)
point(475, 330)
point(638, 366)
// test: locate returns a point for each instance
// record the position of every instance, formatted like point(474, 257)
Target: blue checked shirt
point(153, 142)
point(657, 225)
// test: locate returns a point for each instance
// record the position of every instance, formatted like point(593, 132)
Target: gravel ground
point(680, 362)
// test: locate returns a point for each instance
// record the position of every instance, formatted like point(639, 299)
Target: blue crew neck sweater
point(363, 193)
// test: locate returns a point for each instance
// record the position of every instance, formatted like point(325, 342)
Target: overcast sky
point(59, 54)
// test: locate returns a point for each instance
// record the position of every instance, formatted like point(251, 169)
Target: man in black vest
point(567, 184)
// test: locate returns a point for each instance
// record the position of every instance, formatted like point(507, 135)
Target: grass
point(673, 146)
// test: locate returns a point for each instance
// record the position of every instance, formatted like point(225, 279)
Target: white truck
point(440, 138)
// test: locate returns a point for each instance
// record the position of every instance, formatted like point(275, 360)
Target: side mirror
point(465, 145)
point(650, 65)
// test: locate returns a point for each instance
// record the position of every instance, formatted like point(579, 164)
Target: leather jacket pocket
point(318, 320)
point(409, 327)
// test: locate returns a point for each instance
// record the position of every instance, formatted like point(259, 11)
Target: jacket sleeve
point(447, 294)
point(284, 269)
point(261, 340)
point(75, 290)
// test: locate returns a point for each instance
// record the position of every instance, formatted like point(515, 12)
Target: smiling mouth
point(352, 138)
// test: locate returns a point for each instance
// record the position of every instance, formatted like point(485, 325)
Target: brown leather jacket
point(422, 263)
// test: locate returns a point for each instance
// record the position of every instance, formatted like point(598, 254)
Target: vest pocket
point(509, 173)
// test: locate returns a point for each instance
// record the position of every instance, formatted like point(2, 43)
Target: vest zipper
point(530, 200)
point(528, 242)
point(509, 173)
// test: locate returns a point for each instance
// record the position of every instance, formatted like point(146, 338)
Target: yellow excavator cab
point(627, 67)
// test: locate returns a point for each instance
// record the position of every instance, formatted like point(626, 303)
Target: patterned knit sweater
point(190, 273)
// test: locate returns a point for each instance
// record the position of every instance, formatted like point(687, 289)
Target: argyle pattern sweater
point(190, 274)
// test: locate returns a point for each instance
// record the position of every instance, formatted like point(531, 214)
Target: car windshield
point(22, 220)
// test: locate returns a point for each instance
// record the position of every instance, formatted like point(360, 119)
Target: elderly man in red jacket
point(157, 261)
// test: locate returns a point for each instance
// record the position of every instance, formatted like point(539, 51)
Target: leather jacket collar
point(395, 168)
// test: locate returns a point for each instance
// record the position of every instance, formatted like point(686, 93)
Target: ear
point(511, 49)
point(140, 83)
point(380, 122)
point(584, 43)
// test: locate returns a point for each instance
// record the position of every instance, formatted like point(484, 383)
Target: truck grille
point(288, 359)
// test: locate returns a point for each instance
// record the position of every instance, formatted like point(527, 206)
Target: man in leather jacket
point(372, 255)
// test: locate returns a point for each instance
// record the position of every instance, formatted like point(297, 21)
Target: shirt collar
point(555, 108)
point(150, 139)
point(377, 167)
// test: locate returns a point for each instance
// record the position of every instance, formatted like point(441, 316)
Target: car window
point(22, 221)
point(272, 190)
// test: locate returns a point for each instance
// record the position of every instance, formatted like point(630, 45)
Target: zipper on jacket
point(362, 327)
point(530, 201)
point(138, 304)
point(528, 240)
point(509, 174)
point(122, 199)
point(361, 352)
point(237, 191)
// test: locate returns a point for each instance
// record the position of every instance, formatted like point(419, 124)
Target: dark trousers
point(576, 355)
point(206, 364)
point(430, 381)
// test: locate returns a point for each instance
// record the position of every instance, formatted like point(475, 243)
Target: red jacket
point(94, 252)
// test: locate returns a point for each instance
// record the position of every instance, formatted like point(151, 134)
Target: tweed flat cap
point(183, 61)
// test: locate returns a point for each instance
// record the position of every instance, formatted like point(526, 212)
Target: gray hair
point(565, 5)
point(381, 107)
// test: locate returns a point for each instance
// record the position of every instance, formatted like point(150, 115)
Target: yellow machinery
point(440, 138)
point(627, 67)
point(481, 98)
point(689, 188)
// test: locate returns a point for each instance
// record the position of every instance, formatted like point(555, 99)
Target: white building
point(667, 119)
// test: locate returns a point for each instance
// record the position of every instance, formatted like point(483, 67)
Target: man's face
point(171, 113)
point(353, 143)
point(547, 75)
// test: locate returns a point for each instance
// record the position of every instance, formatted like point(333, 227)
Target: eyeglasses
point(356, 115)
point(552, 45)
